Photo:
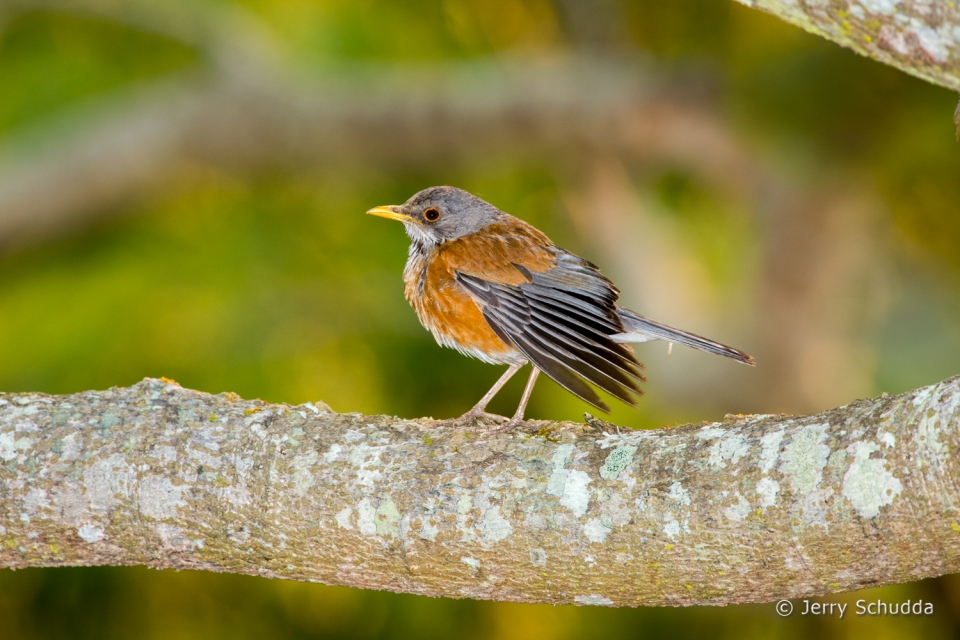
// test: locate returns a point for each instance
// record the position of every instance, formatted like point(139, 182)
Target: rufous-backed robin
point(495, 288)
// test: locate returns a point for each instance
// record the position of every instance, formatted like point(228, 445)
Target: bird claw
point(471, 416)
point(503, 423)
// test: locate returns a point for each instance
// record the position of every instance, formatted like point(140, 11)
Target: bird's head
point(440, 214)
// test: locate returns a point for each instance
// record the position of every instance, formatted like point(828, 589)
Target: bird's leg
point(480, 409)
point(517, 418)
point(525, 398)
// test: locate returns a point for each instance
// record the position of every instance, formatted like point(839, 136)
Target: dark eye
point(431, 215)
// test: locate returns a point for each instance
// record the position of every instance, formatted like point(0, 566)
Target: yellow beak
point(390, 212)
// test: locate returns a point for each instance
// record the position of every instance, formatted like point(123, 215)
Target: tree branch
point(251, 107)
point(101, 154)
point(753, 509)
point(919, 37)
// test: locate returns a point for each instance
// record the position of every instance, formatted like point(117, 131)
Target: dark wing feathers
point(600, 372)
point(559, 305)
point(559, 373)
point(563, 320)
point(584, 308)
point(574, 277)
point(593, 354)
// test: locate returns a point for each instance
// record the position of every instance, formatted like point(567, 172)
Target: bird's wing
point(562, 317)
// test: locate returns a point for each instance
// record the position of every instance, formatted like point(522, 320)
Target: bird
point(495, 288)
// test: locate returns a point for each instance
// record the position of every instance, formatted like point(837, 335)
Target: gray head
point(439, 214)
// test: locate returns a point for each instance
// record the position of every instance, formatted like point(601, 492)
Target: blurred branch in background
point(246, 112)
point(106, 153)
point(919, 37)
point(755, 509)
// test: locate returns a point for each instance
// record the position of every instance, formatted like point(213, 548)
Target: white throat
point(418, 236)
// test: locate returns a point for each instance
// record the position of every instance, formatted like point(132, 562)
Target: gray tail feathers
point(640, 329)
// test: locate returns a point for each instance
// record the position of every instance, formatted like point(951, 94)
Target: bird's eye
point(431, 215)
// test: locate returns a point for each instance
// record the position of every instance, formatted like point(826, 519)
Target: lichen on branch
point(753, 509)
point(921, 37)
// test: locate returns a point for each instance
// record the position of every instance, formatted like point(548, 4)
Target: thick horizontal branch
point(753, 509)
point(921, 37)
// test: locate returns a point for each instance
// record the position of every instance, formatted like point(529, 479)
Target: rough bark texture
point(921, 37)
point(753, 509)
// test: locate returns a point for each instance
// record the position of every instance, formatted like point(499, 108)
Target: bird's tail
point(640, 329)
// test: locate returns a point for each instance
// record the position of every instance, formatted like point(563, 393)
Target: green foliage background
point(276, 286)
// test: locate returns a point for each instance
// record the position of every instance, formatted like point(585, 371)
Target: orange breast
point(456, 319)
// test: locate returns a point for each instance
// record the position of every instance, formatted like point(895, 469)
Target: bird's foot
point(473, 415)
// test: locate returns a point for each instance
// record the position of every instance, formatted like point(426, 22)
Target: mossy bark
point(921, 37)
point(753, 509)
